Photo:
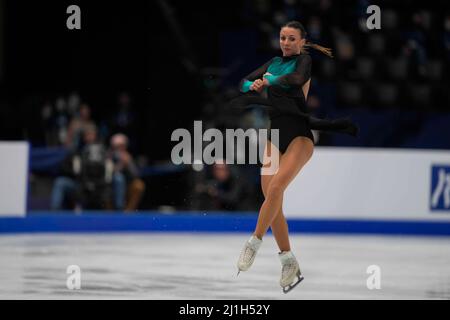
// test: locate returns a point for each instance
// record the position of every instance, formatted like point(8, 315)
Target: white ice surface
point(203, 266)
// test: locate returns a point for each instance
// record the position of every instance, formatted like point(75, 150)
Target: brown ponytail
point(324, 50)
point(297, 25)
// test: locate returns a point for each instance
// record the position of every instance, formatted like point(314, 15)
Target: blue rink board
point(188, 221)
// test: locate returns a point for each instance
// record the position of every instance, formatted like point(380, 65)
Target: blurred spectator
point(222, 191)
point(77, 126)
point(344, 47)
point(314, 28)
point(123, 120)
point(86, 176)
point(416, 39)
point(126, 186)
point(55, 120)
point(73, 103)
point(47, 124)
point(65, 187)
point(61, 120)
point(96, 171)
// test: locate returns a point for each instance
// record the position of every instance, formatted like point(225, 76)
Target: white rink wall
point(360, 183)
point(13, 178)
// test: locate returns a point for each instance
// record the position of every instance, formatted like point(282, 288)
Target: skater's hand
point(258, 85)
point(265, 81)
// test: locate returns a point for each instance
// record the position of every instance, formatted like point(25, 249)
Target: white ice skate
point(248, 254)
point(289, 272)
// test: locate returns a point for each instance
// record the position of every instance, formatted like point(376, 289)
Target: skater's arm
point(297, 78)
point(246, 82)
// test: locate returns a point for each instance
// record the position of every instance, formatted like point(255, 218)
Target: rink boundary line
point(217, 222)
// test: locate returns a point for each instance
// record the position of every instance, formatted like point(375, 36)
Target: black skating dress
point(286, 102)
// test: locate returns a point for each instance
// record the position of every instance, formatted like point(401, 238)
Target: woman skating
point(285, 81)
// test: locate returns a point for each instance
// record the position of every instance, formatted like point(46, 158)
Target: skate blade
point(239, 271)
point(292, 286)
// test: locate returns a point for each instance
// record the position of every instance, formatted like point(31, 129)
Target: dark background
point(121, 46)
point(181, 61)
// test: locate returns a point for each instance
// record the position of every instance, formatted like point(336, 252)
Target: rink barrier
point(216, 222)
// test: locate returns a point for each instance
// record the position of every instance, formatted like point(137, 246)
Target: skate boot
point(290, 272)
point(248, 254)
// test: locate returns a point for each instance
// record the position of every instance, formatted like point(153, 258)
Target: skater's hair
point(297, 25)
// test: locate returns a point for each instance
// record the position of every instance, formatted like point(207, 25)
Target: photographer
point(126, 186)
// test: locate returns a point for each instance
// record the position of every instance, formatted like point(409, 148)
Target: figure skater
point(285, 82)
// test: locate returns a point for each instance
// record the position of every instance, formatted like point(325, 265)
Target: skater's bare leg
point(280, 231)
point(296, 156)
point(279, 225)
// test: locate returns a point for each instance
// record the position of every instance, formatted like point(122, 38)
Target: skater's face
point(291, 41)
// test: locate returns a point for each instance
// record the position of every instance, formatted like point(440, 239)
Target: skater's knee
point(275, 189)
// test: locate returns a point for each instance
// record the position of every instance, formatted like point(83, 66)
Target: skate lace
point(248, 254)
point(288, 268)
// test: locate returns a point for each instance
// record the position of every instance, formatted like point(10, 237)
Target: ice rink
point(203, 266)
